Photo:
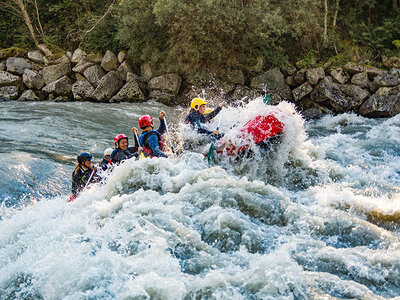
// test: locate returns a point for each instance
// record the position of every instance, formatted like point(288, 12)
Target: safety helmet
point(119, 137)
point(197, 102)
point(84, 156)
point(145, 121)
point(108, 151)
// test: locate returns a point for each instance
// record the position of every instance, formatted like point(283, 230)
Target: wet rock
point(94, 57)
point(109, 61)
point(274, 81)
point(36, 56)
point(8, 79)
point(300, 76)
point(302, 91)
point(383, 104)
point(93, 74)
point(123, 70)
point(81, 66)
point(45, 50)
point(121, 57)
point(242, 93)
point(313, 113)
point(33, 79)
point(107, 87)
point(60, 87)
point(82, 90)
point(9, 92)
point(54, 72)
point(290, 81)
point(130, 92)
point(61, 99)
point(353, 68)
point(361, 79)
point(314, 75)
point(169, 83)
point(339, 75)
point(28, 95)
point(79, 55)
point(386, 80)
point(235, 76)
point(393, 62)
point(289, 70)
point(355, 93)
point(17, 65)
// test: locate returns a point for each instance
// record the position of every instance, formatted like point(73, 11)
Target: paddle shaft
point(90, 178)
point(169, 137)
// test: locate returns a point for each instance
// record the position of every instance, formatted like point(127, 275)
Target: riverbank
point(39, 75)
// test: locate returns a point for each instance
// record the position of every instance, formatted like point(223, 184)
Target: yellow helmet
point(197, 102)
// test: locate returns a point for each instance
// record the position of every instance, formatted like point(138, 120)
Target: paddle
point(210, 155)
point(90, 178)
point(169, 137)
point(138, 141)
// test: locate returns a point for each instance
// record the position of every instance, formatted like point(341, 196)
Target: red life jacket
point(145, 145)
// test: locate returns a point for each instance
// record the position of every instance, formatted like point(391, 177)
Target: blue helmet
point(84, 156)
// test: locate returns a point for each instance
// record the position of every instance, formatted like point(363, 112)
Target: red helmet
point(118, 138)
point(145, 121)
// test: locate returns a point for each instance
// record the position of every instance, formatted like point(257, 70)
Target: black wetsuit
point(197, 120)
point(80, 177)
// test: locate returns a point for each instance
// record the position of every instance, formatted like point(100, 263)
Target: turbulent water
point(316, 216)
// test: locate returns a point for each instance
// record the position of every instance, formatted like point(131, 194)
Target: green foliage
point(396, 43)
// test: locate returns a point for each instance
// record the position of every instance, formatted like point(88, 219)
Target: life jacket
point(115, 151)
point(145, 145)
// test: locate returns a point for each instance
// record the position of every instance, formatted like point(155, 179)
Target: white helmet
point(108, 151)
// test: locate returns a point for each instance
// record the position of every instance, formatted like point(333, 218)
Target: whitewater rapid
point(316, 219)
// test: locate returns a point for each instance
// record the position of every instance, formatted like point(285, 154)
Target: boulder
point(9, 92)
point(61, 60)
point(60, 87)
point(81, 90)
point(340, 98)
point(81, 66)
point(146, 71)
point(300, 76)
point(290, 81)
point(93, 74)
point(130, 92)
point(235, 76)
point(54, 72)
point(393, 62)
point(69, 55)
point(94, 57)
point(302, 91)
point(3, 66)
point(274, 81)
point(372, 72)
point(361, 79)
point(109, 61)
point(243, 93)
point(121, 57)
point(339, 75)
point(45, 50)
point(123, 70)
point(314, 75)
point(36, 56)
point(393, 71)
point(33, 79)
point(143, 85)
point(8, 79)
point(257, 67)
point(18, 65)
point(28, 95)
point(386, 80)
point(79, 77)
point(168, 83)
point(289, 70)
point(79, 55)
point(107, 87)
point(353, 68)
point(383, 104)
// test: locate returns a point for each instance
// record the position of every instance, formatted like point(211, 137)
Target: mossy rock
point(13, 52)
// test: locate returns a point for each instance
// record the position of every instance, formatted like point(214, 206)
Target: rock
point(372, 72)
point(3, 66)
point(341, 98)
point(395, 72)
point(130, 92)
point(302, 91)
point(9, 92)
point(383, 104)
point(300, 76)
point(18, 65)
point(339, 75)
point(33, 79)
point(94, 74)
point(242, 93)
point(146, 71)
point(8, 79)
point(132, 76)
point(289, 70)
point(257, 67)
point(79, 55)
point(168, 83)
point(36, 56)
point(326, 66)
point(109, 61)
point(61, 99)
point(353, 68)
point(393, 62)
point(386, 80)
point(69, 55)
point(28, 95)
point(61, 60)
point(45, 50)
point(54, 72)
point(12, 52)
point(82, 90)
point(235, 76)
point(123, 70)
point(274, 81)
point(60, 87)
point(314, 75)
point(313, 113)
point(107, 87)
point(121, 57)
point(94, 57)
point(361, 79)
point(79, 77)
point(81, 66)
point(290, 81)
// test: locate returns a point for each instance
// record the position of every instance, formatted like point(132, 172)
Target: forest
point(202, 36)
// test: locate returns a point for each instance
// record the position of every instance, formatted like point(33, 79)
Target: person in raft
point(83, 172)
point(150, 139)
point(122, 150)
point(105, 163)
point(197, 117)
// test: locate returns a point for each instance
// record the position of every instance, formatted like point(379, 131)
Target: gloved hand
point(72, 198)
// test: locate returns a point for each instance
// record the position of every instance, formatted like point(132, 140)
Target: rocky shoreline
point(79, 76)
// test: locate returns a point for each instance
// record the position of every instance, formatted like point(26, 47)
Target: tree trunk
point(336, 14)
point(395, 3)
point(27, 19)
point(326, 23)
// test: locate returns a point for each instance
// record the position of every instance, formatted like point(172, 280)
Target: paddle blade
point(210, 155)
point(141, 156)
